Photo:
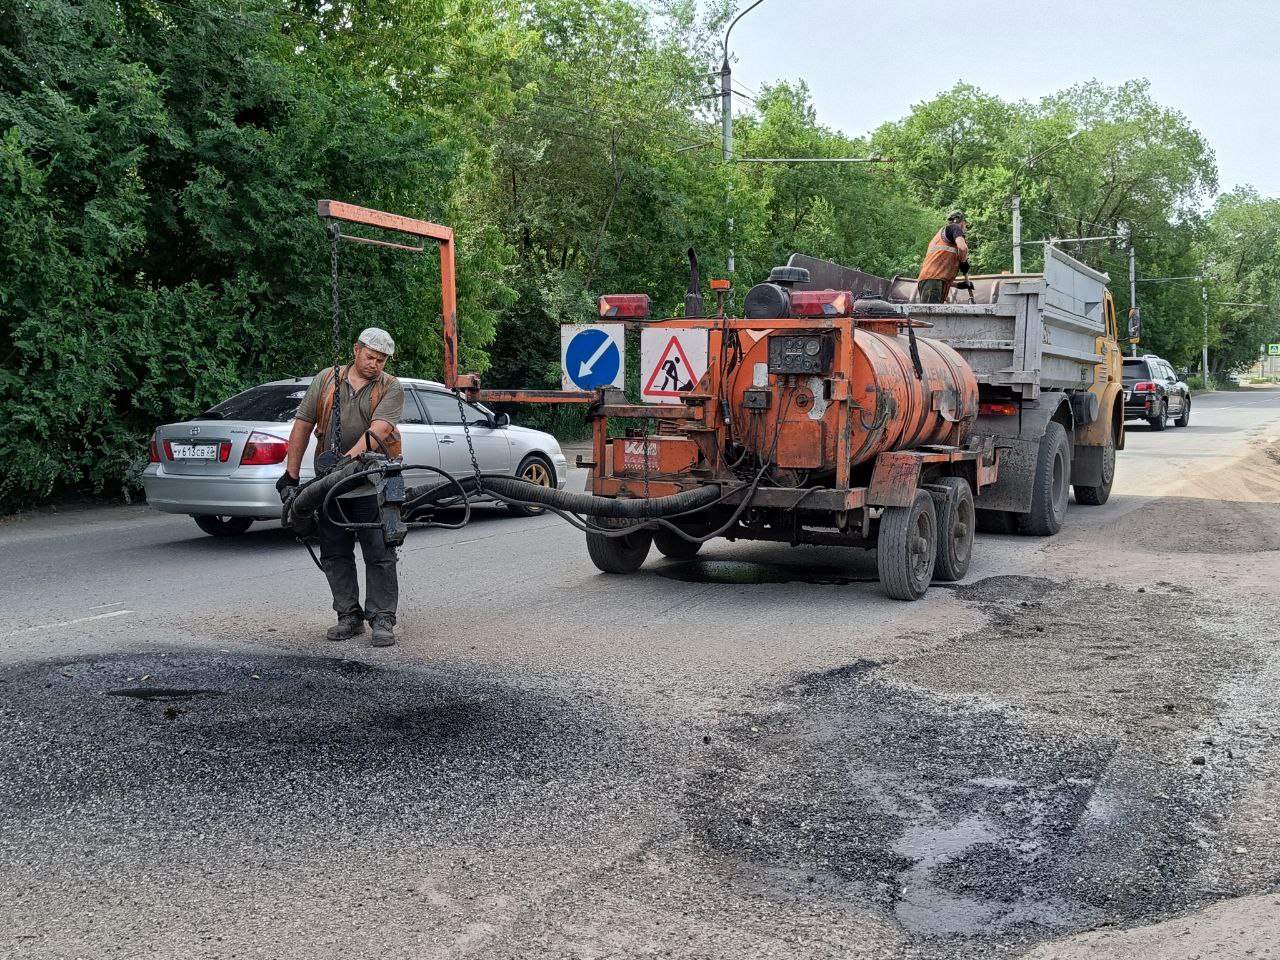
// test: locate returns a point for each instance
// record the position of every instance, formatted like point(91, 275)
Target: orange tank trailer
point(819, 429)
point(889, 408)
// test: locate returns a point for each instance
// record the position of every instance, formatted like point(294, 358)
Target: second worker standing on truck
point(948, 255)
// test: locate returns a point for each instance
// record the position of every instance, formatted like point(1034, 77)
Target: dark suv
point(1154, 392)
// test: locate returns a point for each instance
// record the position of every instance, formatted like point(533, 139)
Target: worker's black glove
point(964, 266)
point(286, 486)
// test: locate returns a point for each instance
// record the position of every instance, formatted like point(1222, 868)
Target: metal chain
point(466, 430)
point(335, 421)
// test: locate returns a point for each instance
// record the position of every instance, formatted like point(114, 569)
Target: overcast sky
point(1215, 61)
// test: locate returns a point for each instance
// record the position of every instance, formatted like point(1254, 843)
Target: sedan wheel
point(535, 470)
point(224, 526)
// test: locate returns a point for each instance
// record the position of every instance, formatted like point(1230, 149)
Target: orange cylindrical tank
point(890, 407)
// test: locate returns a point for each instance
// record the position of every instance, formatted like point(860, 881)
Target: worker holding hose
point(353, 412)
point(948, 255)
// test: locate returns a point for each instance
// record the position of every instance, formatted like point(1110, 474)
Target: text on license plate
point(195, 451)
point(1126, 396)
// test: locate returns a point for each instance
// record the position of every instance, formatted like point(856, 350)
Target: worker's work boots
point(383, 633)
point(349, 625)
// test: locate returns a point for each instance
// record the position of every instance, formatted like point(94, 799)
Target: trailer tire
point(670, 544)
point(1097, 496)
point(1051, 488)
point(955, 515)
point(907, 548)
point(619, 554)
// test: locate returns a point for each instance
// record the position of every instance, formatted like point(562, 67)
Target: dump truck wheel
point(955, 515)
point(619, 554)
point(907, 548)
point(1052, 486)
point(670, 544)
point(1097, 496)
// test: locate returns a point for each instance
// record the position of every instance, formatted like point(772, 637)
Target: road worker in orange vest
point(948, 255)
point(370, 402)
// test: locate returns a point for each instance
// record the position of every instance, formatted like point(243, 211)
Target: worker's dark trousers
point(931, 291)
point(338, 557)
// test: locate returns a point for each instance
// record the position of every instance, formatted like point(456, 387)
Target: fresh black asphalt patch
point(263, 747)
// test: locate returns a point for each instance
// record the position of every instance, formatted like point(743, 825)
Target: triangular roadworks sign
point(684, 371)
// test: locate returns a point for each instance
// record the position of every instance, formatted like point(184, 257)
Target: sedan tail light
point(154, 450)
point(264, 449)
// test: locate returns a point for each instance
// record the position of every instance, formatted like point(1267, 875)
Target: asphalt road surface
point(1074, 753)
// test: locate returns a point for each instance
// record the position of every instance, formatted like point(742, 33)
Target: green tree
point(161, 161)
point(1241, 248)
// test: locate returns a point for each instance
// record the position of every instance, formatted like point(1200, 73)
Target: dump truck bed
point(1027, 332)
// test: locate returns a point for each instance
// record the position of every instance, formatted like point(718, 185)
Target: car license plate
point(195, 451)
point(1126, 396)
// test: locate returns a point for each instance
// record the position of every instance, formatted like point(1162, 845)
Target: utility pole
point(726, 138)
point(1204, 345)
point(1017, 197)
point(1017, 227)
point(726, 121)
point(1127, 229)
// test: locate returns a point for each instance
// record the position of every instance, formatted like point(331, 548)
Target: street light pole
point(726, 121)
point(1017, 197)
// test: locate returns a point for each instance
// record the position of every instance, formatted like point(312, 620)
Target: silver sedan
point(222, 467)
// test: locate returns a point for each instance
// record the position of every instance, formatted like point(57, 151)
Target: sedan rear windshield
point(1135, 370)
point(274, 403)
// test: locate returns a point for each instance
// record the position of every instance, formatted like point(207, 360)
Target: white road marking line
point(67, 623)
point(99, 606)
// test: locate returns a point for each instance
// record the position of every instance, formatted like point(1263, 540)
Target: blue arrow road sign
point(592, 359)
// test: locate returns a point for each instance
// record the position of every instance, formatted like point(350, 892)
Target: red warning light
point(629, 306)
point(822, 303)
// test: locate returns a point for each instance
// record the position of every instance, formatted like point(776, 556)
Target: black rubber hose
point(311, 495)
point(643, 508)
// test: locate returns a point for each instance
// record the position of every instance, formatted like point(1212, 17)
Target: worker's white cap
point(375, 338)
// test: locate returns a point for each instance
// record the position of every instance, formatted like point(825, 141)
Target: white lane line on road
point(68, 623)
point(113, 603)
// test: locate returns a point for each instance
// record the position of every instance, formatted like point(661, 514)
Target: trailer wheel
point(907, 548)
point(1097, 496)
point(1052, 485)
point(619, 554)
point(670, 544)
point(955, 516)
